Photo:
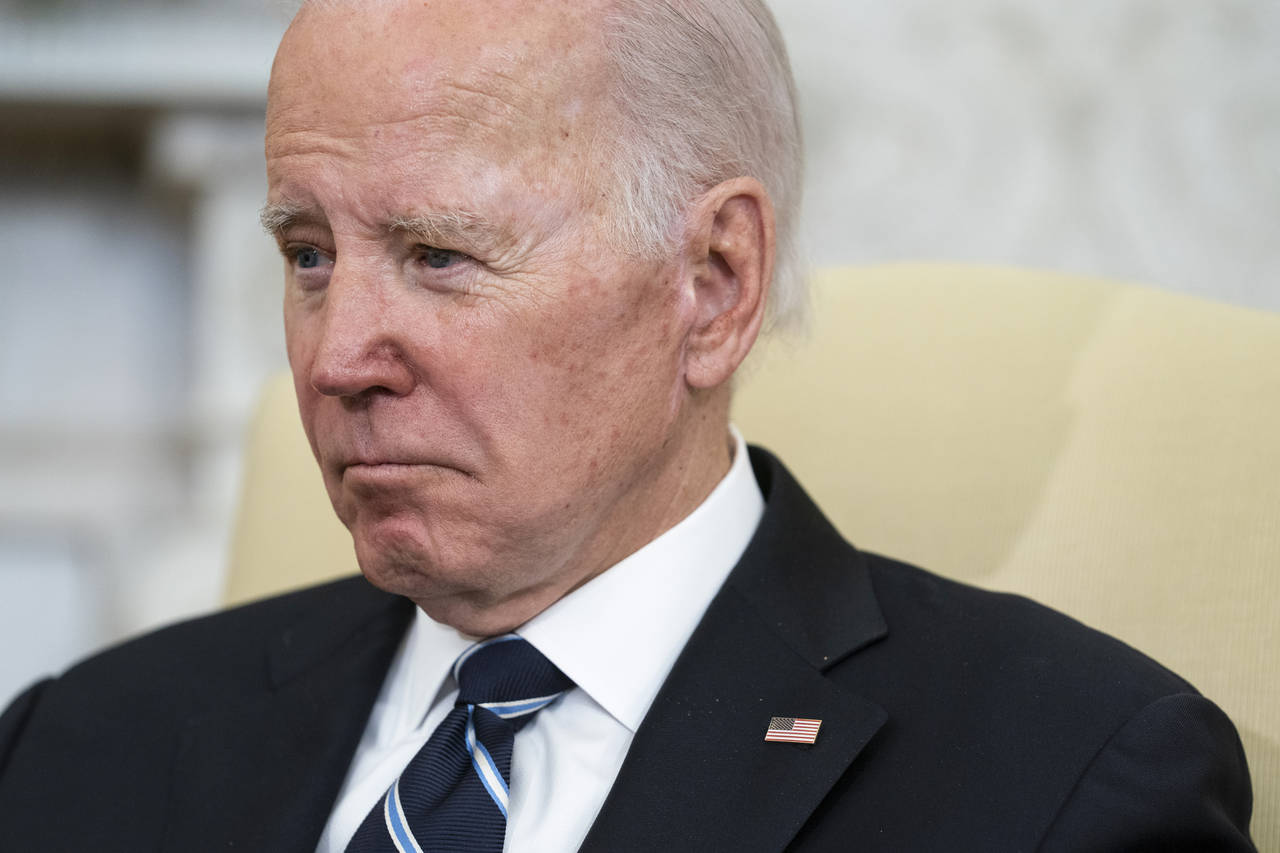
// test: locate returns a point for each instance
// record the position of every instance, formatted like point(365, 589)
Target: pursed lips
point(371, 463)
point(358, 458)
point(389, 464)
point(373, 469)
point(379, 475)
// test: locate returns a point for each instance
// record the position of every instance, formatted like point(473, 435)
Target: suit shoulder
point(128, 717)
point(1018, 639)
point(199, 658)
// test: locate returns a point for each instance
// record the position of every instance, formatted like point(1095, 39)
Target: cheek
point(295, 339)
point(607, 369)
point(299, 350)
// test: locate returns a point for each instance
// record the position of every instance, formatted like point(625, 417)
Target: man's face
point(493, 395)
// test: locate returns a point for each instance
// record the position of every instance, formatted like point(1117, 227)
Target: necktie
point(453, 794)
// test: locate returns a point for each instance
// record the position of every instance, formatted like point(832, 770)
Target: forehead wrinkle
point(474, 102)
point(476, 97)
point(514, 85)
point(440, 120)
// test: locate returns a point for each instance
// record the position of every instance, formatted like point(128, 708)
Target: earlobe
point(734, 246)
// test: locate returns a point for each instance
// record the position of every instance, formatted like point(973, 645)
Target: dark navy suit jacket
point(954, 719)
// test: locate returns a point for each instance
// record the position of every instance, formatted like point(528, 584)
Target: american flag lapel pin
point(792, 730)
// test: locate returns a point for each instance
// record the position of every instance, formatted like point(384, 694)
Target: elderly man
point(527, 246)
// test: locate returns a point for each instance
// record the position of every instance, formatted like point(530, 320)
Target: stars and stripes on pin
point(792, 730)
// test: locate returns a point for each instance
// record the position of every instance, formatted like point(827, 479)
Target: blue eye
point(438, 258)
point(308, 259)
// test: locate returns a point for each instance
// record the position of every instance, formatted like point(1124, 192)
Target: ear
point(732, 246)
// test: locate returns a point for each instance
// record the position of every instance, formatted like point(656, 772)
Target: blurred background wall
point(139, 309)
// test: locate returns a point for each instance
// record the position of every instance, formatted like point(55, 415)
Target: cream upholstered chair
point(1111, 450)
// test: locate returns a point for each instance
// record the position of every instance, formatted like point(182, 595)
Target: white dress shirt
point(616, 636)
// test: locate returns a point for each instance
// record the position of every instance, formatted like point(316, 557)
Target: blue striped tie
point(453, 795)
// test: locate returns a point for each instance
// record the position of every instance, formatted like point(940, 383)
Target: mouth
point(387, 466)
point(374, 474)
point(394, 472)
point(381, 464)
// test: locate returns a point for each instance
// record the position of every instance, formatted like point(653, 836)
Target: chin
point(396, 561)
point(397, 557)
point(463, 594)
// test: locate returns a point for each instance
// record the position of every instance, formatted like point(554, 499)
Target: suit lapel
point(699, 774)
point(263, 773)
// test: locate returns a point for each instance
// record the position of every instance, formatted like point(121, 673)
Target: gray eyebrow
point(451, 227)
point(432, 228)
point(276, 216)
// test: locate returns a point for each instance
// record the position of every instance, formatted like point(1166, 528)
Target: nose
point(358, 352)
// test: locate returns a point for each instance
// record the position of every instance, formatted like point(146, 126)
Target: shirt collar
point(418, 678)
point(616, 636)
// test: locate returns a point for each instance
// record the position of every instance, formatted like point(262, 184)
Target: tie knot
point(508, 676)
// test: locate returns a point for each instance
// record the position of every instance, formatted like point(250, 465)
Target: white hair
point(706, 94)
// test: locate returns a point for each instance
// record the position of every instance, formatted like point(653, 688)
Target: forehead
point(500, 69)
point(380, 108)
